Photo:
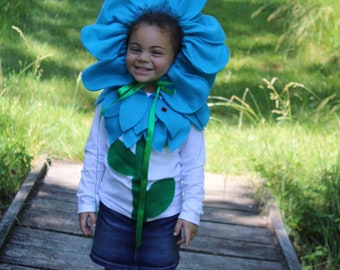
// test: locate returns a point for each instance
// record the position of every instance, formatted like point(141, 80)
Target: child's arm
point(192, 161)
point(92, 173)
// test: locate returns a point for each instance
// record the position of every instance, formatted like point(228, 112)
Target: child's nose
point(143, 56)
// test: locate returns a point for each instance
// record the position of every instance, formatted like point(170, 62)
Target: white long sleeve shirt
point(99, 182)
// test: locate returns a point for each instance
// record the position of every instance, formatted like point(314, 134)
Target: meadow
point(275, 107)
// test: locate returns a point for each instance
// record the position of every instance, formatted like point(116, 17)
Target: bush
point(14, 166)
point(15, 162)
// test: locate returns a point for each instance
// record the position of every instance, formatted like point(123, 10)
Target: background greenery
point(275, 107)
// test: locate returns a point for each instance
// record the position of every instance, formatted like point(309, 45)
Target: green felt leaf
point(159, 197)
point(122, 159)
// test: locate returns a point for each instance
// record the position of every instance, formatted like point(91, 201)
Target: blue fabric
point(114, 243)
point(130, 121)
point(193, 72)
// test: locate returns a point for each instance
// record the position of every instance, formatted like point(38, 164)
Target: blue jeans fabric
point(114, 243)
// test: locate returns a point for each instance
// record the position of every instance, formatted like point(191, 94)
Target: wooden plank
point(228, 184)
point(283, 239)
point(14, 267)
point(56, 221)
point(42, 249)
point(49, 249)
point(233, 233)
point(197, 261)
point(235, 248)
point(53, 208)
point(65, 174)
point(22, 196)
point(260, 235)
point(241, 204)
point(244, 218)
point(231, 191)
point(49, 203)
point(45, 204)
point(56, 211)
point(55, 192)
point(224, 195)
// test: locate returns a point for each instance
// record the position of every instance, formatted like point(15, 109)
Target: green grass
point(285, 130)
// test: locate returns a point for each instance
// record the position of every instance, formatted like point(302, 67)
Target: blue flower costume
point(180, 100)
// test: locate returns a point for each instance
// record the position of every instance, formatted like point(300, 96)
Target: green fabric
point(160, 195)
point(123, 162)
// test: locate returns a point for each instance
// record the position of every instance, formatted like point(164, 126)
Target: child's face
point(149, 53)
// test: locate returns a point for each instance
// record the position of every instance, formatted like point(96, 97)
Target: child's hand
point(87, 222)
point(189, 231)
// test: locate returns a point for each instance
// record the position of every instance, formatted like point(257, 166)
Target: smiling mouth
point(143, 69)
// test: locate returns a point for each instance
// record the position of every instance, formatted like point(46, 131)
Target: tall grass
point(300, 160)
point(31, 125)
point(304, 174)
point(14, 156)
point(43, 108)
point(309, 23)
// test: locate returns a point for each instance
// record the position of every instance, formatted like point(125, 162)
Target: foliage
point(39, 112)
point(310, 205)
point(14, 156)
point(14, 165)
point(304, 180)
point(308, 22)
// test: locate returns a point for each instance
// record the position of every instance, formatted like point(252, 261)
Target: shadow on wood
point(233, 233)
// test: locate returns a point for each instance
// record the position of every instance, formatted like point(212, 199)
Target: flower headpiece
point(193, 72)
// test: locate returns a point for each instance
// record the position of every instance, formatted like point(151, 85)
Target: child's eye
point(134, 49)
point(157, 53)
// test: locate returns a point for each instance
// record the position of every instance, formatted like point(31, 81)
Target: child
point(145, 155)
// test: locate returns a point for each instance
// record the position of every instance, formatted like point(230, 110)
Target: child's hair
point(165, 22)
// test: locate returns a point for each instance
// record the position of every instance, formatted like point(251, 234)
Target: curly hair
point(165, 22)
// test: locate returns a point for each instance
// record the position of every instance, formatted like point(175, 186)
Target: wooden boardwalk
point(40, 230)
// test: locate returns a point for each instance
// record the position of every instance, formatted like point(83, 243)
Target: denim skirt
point(114, 243)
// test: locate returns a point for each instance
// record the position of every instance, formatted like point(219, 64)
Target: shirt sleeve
point(93, 169)
point(193, 158)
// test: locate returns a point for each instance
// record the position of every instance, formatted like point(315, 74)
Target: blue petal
point(160, 136)
point(104, 42)
point(106, 74)
point(171, 119)
point(200, 118)
point(117, 11)
point(133, 109)
point(108, 95)
point(110, 108)
point(192, 91)
point(113, 128)
point(176, 142)
point(142, 125)
point(127, 10)
point(130, 138)
point(204, 46)
point(187, 9)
